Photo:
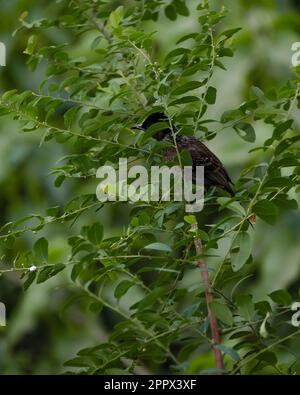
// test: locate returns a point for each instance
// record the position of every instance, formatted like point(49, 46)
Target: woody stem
point(215, 332)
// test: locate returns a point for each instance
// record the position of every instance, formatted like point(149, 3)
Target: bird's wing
point(215, 173)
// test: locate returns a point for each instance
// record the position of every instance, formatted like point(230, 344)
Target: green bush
point(89, 105)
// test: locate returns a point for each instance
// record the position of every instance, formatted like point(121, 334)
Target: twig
point(263, 350)
point(215, 332)
point(100, 26)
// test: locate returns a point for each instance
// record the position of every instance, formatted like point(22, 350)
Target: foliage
point(90, 105)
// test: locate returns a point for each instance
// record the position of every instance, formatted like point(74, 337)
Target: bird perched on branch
point(214, 172)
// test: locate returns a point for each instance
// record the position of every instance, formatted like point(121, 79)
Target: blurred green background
point(49, 323)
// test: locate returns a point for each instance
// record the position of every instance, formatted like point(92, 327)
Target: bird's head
point(152, 119)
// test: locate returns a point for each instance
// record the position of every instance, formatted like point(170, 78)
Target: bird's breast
point(170, 154)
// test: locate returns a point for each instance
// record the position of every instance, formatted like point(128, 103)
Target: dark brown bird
point(214, 171)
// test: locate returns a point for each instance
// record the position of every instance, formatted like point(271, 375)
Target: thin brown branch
point(215, 332)
point(101, 27)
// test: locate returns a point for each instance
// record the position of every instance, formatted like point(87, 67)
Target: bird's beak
point(138, 126)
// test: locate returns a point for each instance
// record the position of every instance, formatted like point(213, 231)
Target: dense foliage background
point(94, 68)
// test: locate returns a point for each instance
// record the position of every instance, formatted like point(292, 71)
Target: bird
point(215, 174)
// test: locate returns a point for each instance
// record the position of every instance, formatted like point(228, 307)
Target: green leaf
point(283, 203)
point(49, 272)
point(70, 116)
point(258, 93)
point(281, 296)
point(177, 52)
point(211, 95)
point(115, 16)
point(230, 32)
point(59, 180)
point(95, 233)
point(187, 37)
point(181, 7)
point(245, 306)
point(263, 307)
point(266, 210)
point(190, 219)
point(122, 288)
point(170, 12)
point(268, 357)
point(240, 250)
point(245, 131)
point(40, 249)
point(30, 279)
point(277, 182)
point(96, 307)
point(78, 362)
point(188, 86)
point(263, 329)
point(150, 299)
point(156, 127)
point(31, 44)
point(53, 211)
point(184, 100)
point(282, 127)
point(186, 158)
point(222, 312)
point(226, 202)
point(96, 41)
point(8, 95)
point(226, 52)
point(229, 351)
point(158, 247)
